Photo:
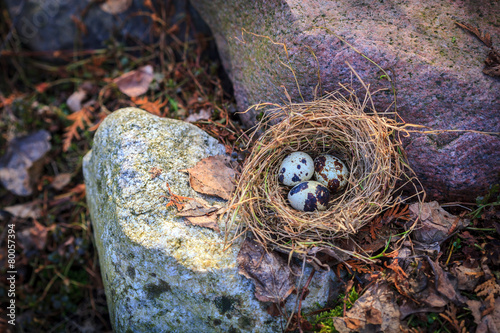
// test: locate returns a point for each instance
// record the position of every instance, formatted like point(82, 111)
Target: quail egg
point(296, 168)
point(309, 196)
point(331, 172)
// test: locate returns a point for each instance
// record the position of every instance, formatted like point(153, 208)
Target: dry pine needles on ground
point(337, 125)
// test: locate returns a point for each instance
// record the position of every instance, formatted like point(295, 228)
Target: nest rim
point(331, 125)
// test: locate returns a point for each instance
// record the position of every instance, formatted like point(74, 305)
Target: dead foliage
point(154, 107)
point(195, 210)
point(273, 277)
point(174, 199)
point(212, 176)
point(136, 82)
point(80, 120)
point(492, 61)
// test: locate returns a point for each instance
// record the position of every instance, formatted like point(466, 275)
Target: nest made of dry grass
point(366, 142)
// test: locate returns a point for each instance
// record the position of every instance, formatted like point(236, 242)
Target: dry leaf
point(61, 180)
point(153, 107)
point(353, 324)
point(376, 307)
point(202, 115)
point(492, 63)
point(468, 278)
point(34, 237)
point(272, 276)
point(434, 223)
point(135, 83)
point(80, 118)
point(444, 284)
point(199, 213)
point(409, 307)
point(196, 208)
point(488, 323)
point(116, 6)
point(206, 221)
point(24, 211)
point(74, 101)
point(21, 165)
point(211, 176)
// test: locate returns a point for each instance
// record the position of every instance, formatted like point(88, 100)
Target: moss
point(245, 322)
point(131, 272)
point(226, 303)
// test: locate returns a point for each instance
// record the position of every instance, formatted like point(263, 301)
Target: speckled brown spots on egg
point(309, 196)
point(295, 168)
point(319, 163)
point(331, 172)
point(333, 185)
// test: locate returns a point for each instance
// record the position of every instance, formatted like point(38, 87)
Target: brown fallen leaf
point(488, 323)
point(444, 285)
point(196, 208)
point(61, 180)
point(377, 307)
point(212, 176)
point(74, 101)
point(272, 276)
point(116, 6)
point(409, 307)
point(468, 278)
point(206, 221)
point(434, 223)
point(202, 115)
point(200, 213)
point(27, 210)
point(492, 63)
point(353, 324)
point(135, 83)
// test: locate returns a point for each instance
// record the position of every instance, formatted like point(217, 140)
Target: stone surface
point(161, 274)
point(48, 25)
point(21, 166)
point(437, 68)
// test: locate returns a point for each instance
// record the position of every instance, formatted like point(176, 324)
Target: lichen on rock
point(161, 274)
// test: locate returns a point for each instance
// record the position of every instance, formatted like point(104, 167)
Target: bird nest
point(367, 143)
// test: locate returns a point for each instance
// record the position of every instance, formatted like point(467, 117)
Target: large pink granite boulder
point(436, 67)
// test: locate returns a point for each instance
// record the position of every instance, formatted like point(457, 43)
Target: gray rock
point(160, 274)
point(21, 166)
point(48, 25)
point(437, 68)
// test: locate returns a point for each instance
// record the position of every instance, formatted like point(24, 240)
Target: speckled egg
point(331, 172)
point(309, 196)
point(296, 168)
